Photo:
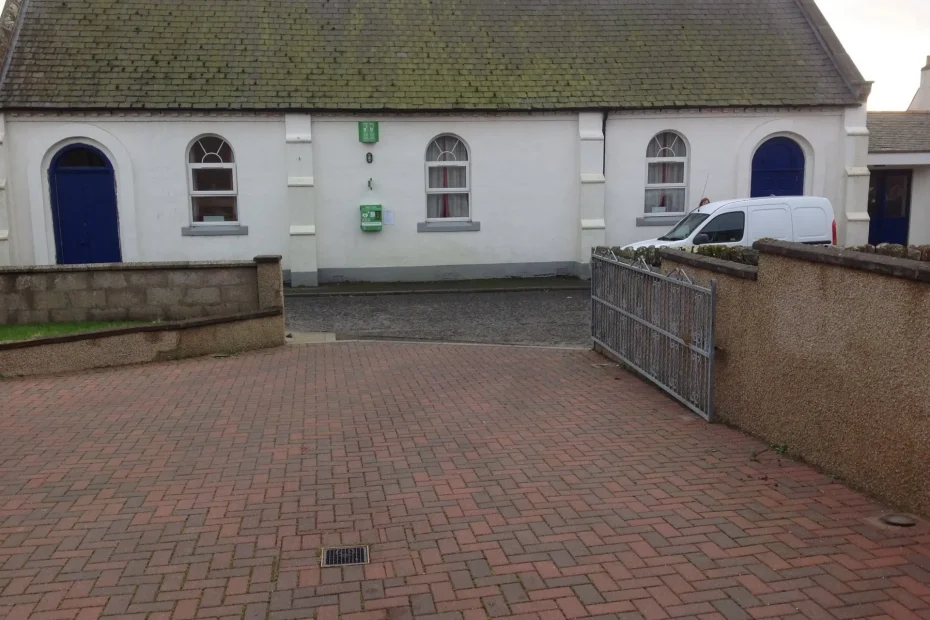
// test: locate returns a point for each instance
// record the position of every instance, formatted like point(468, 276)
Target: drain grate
point(344, 556)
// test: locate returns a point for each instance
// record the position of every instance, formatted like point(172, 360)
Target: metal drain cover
point(344, 556)
point(899, 520)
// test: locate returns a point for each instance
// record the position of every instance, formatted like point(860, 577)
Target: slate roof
point(899, 132)
point(426, 55)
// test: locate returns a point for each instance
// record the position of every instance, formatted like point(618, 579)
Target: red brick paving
point(490, 482)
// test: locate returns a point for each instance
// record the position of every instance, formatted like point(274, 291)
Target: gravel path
point(547, 318)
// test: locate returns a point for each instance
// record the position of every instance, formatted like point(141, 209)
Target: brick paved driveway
point(490, 481)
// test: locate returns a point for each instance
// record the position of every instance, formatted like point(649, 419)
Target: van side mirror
point(701, 239)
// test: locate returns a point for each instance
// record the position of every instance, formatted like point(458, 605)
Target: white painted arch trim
point(40, 205)
point(815, 168)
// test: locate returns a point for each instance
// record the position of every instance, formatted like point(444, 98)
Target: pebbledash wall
point(826, 350)
point(544, 189)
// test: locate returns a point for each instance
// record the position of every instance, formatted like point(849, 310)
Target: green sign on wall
point(371, 218)
point(368, 132)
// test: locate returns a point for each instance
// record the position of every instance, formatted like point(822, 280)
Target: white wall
point(149, 158)
point(920, 207)
point(524, 180)
point(721, 147)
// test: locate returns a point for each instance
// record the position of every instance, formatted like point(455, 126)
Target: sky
point(889, 40)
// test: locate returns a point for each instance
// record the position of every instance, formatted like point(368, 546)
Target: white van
point(805, 219)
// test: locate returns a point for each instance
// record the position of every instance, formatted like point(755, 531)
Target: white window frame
point(191, 167)
point(457, 190)
point(668, 160)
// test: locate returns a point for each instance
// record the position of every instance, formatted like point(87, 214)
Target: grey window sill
point(448, 226)
point(661, 220)
point(214, 231)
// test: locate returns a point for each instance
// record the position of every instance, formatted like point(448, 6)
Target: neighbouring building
point(410, 140)
point(899, 159)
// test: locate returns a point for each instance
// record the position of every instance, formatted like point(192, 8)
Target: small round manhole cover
point(899, 520)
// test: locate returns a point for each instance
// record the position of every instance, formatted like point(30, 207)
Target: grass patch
point(38, 330)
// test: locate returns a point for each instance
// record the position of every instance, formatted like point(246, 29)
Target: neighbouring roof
point(426, 55)
point(899, 132)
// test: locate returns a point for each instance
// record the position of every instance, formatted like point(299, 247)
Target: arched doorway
point(82, 188)
point(778, 169)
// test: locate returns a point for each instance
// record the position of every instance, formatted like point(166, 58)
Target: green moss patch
point(39, 330)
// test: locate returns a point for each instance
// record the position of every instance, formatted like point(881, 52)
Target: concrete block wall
point(825, 351)
point(138, 291)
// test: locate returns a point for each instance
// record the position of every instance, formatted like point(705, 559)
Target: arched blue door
point(778, 169)
point(83, 193)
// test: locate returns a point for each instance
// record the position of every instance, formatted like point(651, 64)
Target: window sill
point(225, 230)
point(659, 220)
point(448, 226)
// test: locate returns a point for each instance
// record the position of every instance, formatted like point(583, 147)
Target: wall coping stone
point(161, 326)
point(32, 269)
point(876, 263)
point(268, 258)
point(737, 270)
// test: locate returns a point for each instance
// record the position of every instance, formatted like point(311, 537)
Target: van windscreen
point(685, 227)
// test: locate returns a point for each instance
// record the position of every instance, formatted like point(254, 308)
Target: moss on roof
point(419, 55)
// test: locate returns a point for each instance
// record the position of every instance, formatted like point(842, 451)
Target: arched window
point(212, 171)
point(666, 174)
point(447, 179)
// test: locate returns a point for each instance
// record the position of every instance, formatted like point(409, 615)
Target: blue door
point(778, 169)
point(889, 206)
point(84, 214)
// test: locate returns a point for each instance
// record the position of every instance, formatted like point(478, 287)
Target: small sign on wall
point(368, 132)
point(371, 218)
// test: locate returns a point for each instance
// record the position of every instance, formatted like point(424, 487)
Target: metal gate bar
point(660, 325)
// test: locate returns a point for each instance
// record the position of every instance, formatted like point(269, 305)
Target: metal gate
point(660, 325)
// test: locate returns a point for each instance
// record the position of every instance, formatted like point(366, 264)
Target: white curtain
point(446, 177)
point(665, 200)
point(666, 173)
point(446, 205)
